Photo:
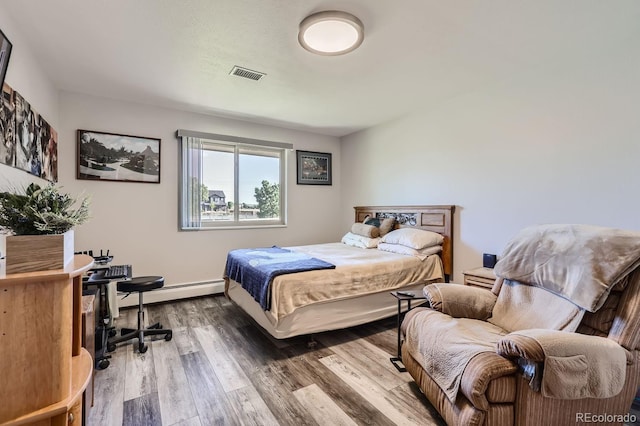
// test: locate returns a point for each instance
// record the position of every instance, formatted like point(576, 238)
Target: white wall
point(26, 75)
point(560, 144)
point(557, 144)
point(138, 222)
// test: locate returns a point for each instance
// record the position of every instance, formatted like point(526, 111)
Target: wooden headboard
point(431, 218)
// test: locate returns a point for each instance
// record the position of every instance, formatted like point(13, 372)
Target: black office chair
point(140, 285)
point(92, 285)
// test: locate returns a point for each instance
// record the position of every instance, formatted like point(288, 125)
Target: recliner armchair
point(555, 342)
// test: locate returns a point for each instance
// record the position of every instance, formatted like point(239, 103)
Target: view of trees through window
point(230, 181)
point(258, 184)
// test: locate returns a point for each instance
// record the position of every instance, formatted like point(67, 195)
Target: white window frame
point(192, 144)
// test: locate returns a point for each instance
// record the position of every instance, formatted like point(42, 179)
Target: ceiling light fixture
point(331, 33)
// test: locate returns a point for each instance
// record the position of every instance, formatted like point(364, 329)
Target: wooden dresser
point(480, 277)
point(43, 367)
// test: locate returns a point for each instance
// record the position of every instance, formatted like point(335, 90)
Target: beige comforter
point(358, 272)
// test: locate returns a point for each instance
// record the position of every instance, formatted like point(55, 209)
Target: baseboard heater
point(174, 292)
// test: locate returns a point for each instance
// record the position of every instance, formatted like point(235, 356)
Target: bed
point(305, 302)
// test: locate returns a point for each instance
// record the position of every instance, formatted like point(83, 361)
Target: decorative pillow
point(421, 254)
point(414, 238)
point(385, 225)
point(355, 240)
point(365, 230)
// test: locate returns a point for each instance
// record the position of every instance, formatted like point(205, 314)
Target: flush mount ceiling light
point(331, 33)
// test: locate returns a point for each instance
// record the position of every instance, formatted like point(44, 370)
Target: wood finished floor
point(220, 368)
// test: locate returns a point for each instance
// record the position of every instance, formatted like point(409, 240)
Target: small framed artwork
point(5, 54)
point(314, 168)
point(115, 157)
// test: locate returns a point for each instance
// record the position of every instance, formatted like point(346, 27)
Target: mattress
point(355, 292)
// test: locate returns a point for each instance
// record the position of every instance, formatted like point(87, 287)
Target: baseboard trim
point(174, 292)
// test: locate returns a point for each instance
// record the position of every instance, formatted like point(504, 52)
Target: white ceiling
point(416, 53)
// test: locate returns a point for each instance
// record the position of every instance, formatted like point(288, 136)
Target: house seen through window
point(231, 181)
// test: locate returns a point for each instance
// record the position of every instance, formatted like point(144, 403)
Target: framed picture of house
point(115, 157)
point(313, 168)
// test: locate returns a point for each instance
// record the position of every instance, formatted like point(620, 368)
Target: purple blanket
point(255, 269)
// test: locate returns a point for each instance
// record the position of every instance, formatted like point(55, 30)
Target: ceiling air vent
point(247, 73)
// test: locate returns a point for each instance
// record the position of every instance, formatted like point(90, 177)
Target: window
point(231, 181)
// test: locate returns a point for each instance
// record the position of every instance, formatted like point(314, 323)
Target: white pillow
point(355, 240)
point(421, 254)
point(414, 238)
